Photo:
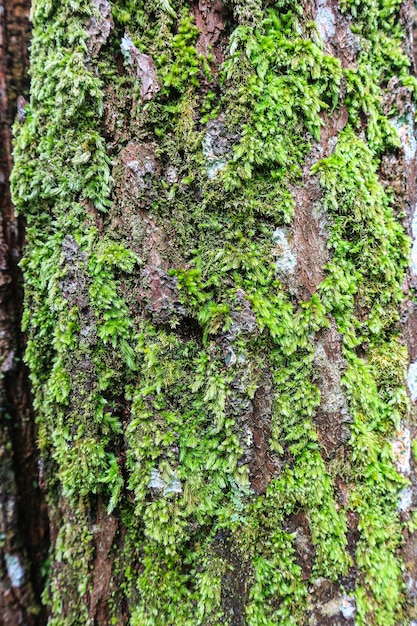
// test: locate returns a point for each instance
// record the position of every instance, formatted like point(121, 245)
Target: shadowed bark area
point(23, 521)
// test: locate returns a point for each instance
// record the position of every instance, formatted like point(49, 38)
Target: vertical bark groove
point(23, 521)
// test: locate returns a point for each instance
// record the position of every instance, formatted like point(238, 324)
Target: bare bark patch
point(104, 532)
point(304, 549)
point(210, 18)
point(329, 606)
point(235, 580)
point(329, 366)
point(100, 26)
point(309, 236)
point(160, 297)
point(334, 28)
point(144, 67)
point(139, 166)
point(262, 466)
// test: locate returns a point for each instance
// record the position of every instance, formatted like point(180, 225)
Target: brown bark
point(22, 511)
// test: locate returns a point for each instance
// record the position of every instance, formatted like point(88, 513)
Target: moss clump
point(288, 81)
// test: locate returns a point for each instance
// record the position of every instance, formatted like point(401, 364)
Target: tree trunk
point(220, 309)
point(23, 515)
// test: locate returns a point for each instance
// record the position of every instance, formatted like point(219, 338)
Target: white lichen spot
point(401, 450)
point(406, 499)
point(412, 380)
point(414, 246)
point(171, 485)
point(15, 570)
point(214, 163)
point(286, 261)
point(325, 20)
point(171, 175)
point(156, 481)
point(217, 145)
point(231, 357)
point(348, 607)
point(404, 126)
point(126, 46)
point(248, 434)
point(344, 606)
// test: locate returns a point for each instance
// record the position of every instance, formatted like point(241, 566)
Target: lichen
point(15, 570)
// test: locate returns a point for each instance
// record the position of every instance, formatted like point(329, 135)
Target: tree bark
point(23, 518)
point(220, 310)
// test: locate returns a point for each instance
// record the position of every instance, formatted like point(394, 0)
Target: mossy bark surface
point(220, 309)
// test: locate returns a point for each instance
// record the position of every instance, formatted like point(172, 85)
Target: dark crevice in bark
point(23, 516)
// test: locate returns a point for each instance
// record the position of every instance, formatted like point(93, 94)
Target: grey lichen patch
point(171, 175)
point(243, 317)
point(170, 485)
point(329, 369)
point(414, 246)
point(333, 399)
point(217, 145)
point(15, 570)
point(325, 20)
point(404, 125)
point(139, 165)
point(286, 260)
point(412, 380)
point(320, 219)
point(100, 27)
point(74, 288)
point(406, 500)
point(401, 449)
point(143, 66)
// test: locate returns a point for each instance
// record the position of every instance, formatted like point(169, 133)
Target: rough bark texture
point(220, 309)
point(23, 521)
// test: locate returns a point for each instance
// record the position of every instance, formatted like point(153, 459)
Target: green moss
point(177, 399)
point(287, 82)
